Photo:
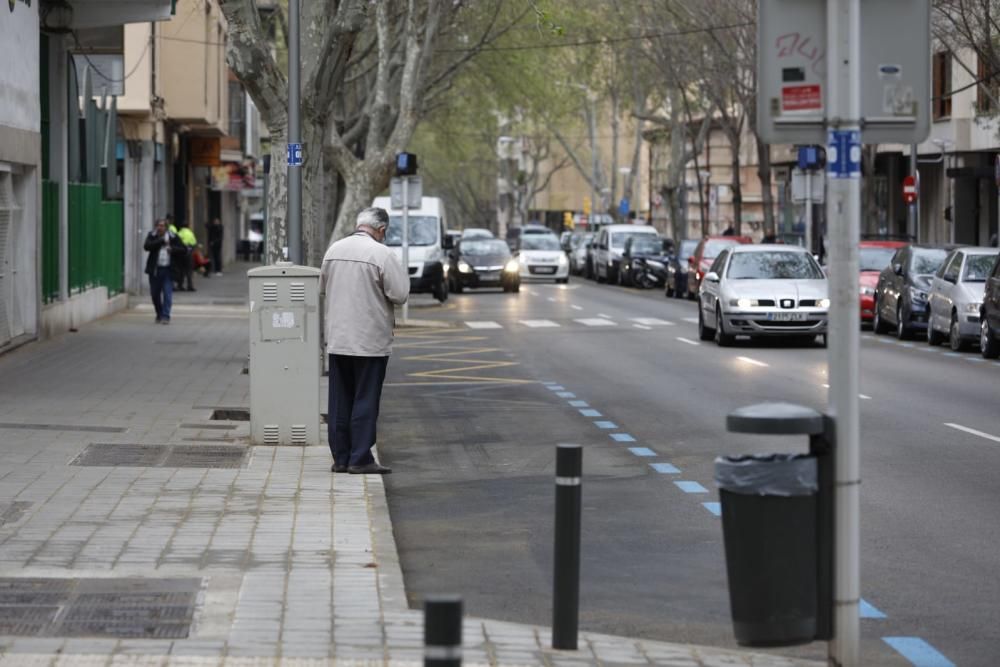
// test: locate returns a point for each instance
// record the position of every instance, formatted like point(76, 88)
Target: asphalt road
point(470, 429)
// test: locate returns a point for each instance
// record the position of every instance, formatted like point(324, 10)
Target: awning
point(102, 13)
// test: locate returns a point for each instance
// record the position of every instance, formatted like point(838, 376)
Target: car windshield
point(977, 268)
point(647, 244)
point(423, 230)
point(687, 249)
point(477, 234)
point(715, 246)
point(776, 265)
point(925, 261)
point(539, 242)
point(581, 240)
point(875, 259)
point(484, 247)
point(618, 238)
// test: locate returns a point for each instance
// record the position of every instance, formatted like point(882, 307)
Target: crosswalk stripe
point(652, 321)
point(484, 324)
point(596, 322)
point(538, 324)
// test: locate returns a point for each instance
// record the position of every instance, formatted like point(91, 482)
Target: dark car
point(642, 248)
point(902, 290)
point(483, 263)
point(989, 315)
point(677, 268)
point(703, 257)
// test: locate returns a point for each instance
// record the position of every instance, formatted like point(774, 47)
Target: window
point(236, 109)
point(950, 272)
point(988, 90)
point(941, 84)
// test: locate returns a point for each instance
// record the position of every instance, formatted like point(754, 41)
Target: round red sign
point(910, 192)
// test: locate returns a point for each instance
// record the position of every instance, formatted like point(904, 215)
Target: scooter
point(648, 273)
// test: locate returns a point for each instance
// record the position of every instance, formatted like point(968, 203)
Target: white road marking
point(607, 317)
point(863, 397)
point(972, 431)
point(753, 361)
point(484, 324)
point(652, 321)
point(688, 341)
point(532, 293)
point(575, 307)
point(552, 299)
point(538, 324)
point(642, 326)
point(692, 320)
point(596, 322)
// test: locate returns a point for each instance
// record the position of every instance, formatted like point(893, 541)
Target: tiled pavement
point(297, 566)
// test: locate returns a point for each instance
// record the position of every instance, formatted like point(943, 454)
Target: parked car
point(989, 315)
point(703, 257)
point(644, 255)
point(902, 290)
point(476, 233)
point(873, 256)
point(609, 246)
point(481, 262)
point(677, 268)
point(578, 252)
point(763, 290)
point(956, 296)
point(541, 258)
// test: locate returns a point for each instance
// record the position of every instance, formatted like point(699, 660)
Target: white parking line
point(538, 324)
point(484, 324)
point(692, 320)
point(688, 341)
point(652, 321)
point(642, 326)
point(596, 322)
point(753, 361)
point(575, 307)
point(972, 431)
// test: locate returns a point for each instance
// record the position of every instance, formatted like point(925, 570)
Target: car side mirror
point(897, 269)
point(712, 277)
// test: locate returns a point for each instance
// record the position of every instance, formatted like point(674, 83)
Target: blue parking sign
point(843, 153)
point(294, 155)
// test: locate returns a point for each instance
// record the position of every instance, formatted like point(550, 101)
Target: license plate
point(489, 275)
point(786, 317)
point(543, 269)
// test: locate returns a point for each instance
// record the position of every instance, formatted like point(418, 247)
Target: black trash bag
point(767, 474)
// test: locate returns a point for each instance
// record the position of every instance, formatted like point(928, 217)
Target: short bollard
point(566, 587)
point(443, 631)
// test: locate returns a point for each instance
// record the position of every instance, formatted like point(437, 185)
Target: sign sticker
point(283, 320)
point(806, 97)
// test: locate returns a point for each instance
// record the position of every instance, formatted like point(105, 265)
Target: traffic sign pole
point(843, 24)
point(294, 215)
point(406, 241)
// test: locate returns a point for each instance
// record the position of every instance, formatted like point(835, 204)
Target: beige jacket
point(362, 280)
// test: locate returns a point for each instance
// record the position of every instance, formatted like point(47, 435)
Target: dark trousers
point(187, 269)
point(216, 249)
point(161, 287)
point(355, 392)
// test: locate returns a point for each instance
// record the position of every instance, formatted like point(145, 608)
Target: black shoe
point(337, 468)
point(370, 469)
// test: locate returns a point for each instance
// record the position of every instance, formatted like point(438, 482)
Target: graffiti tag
point(794, 44)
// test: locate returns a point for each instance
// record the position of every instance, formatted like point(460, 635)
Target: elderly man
point(362, 280)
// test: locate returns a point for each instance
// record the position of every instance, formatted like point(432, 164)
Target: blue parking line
point(665, 468)
point(565, 394)
point(714, 508)
point(590, 413)
point(867, 610)
point(578, 404)
point(622, 437)
point(905, 344)
point(605, 425)
point(918, 652)
point(554, 387)
point(975, 360)
point(642, 451)
point(691, 487)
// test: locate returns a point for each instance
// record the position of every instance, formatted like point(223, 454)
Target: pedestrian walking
point(186, 262)
point(362, 281)
point(215, 233)
point(163, 246)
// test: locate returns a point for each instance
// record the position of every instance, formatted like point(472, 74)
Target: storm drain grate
point(13, 511)
point(118, 608)
point(161, 456)
point(230, 414)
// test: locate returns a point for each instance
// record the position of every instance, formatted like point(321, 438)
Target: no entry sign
point(911, 191)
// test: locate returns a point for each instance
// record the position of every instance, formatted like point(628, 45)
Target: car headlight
point(918, 294)
point(822, 303)
point(464, 267)
point(743, 302)
point(972, 307)
point(563, 261)
point(522, 259)
point(512, 266)
point(867, 291)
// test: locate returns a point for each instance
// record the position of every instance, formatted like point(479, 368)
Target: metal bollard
point(443, 631)
point(566, 579)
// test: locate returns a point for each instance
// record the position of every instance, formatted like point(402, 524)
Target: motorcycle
point(648, 273)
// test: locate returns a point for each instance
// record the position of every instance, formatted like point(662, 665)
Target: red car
point(703, 257)
point(873, 256)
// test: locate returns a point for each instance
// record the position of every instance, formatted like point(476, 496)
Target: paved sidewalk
point(219, 553)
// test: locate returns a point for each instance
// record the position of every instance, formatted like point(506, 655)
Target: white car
point(541, 258)
point(763, 290)
point(956, 296)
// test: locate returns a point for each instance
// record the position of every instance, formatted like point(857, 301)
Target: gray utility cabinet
point(285, 355)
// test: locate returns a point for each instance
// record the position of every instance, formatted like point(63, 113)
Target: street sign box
point(295, 155)
point(843, 154)
point(817, 186)
point(910, 191)
point(792, 105)
point(414, 192)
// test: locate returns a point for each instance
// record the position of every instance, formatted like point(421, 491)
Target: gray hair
point(374, 217)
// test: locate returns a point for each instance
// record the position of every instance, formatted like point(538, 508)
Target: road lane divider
point(689, 486)
point(715, 508)
point(972, 431)
point(867, 610)
point(918, 652)
point(665, 468)
point(590, 412)
point(607, 317)
point(484, 324)
point(622, 437)
point(555, 387)
point(596, 322)
point(604, 424)
point(579, 404)
point(642, 326)
point(575, 307)
point(692, 320)
point(539, 324)
point(688, 341)
point(642, 451)
point(753, 362)
point(565, 394)
point(652, 321)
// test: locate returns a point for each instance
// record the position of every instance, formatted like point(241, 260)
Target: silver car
point(956, 295)
point(763, 290)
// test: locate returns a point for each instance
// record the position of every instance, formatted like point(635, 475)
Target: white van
point(428, 243)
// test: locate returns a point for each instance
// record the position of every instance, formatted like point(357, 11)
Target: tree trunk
point(277, 201)
point(734, 147)
point(764, 174)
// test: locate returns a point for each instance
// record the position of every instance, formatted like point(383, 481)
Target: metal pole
point(566, 558)
point(913, 210)
point(443, 631)
point(294, 136)
point(406, 240)
point(809, 212)
point(844, 215)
